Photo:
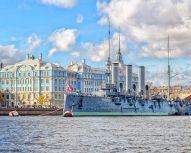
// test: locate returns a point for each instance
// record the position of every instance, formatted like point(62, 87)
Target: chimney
point(40, 57)
point(27, 56)
point(147, 94)
point(32, 57)
point(1, 65)
point(115, 73)
point(84, 61)
point(128, 79)
point(141, 80)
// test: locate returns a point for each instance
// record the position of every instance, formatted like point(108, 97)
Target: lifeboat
point(68, 114)
point(13, 113)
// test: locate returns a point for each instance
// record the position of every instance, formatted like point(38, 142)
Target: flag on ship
point(69, 87)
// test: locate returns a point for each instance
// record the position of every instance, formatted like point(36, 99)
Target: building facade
point(33, 82)
point(90, 79)
point(175, 91)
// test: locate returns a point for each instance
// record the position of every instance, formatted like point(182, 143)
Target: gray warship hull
point(95, 105)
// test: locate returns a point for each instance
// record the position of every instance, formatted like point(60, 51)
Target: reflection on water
point(95, 134)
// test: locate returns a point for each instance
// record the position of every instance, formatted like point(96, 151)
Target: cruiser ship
point(123, 98)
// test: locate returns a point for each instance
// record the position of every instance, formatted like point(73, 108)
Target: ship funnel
point(115, 73)
point(40, 57)
point(27, 56)
point(1, 66)
point(128, 79)
point(147, 92)
point(141, 80)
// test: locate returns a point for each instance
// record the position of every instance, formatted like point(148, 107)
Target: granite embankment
point(32, 111)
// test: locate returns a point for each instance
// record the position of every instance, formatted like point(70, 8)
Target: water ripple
point(56, 134)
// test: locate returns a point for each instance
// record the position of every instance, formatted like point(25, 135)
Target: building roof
point(35, 64)
point(188, 98)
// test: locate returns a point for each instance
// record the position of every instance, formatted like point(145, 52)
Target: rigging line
point(109, 37)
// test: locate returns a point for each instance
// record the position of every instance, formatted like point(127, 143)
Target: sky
point(73, 30)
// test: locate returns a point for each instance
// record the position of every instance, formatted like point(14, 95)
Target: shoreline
point(32, 111)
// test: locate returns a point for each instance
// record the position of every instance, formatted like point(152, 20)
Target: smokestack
point(115, 72)
point(84, 61)
point(1, 65)
point(141, 78)
point(147, 92)
point(40, 57)
point(27, 57)
point(128, 79)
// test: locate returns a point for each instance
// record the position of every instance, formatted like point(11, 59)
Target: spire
point(119, 55)
point(119, 51)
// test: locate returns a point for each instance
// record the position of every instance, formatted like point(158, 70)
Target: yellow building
point(175, 91)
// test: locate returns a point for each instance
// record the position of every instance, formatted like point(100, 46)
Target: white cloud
point(152, 21)
point(60, 3)
point(75, 54)
point(62, 40)
point(33, 41)
point(10, 54)
point(79, 18)
point(99, 52)
point(159, 77)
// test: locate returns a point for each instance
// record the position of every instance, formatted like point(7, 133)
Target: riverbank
point(32, 111)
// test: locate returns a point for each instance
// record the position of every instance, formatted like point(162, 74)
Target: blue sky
point(21, 18)
point(36, 26)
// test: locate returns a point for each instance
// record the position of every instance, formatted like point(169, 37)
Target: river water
point(56, 134)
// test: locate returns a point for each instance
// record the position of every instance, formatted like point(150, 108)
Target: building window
point(42, 80)
point(55, 88)
point(29, 96)
point(47, 96)
point(47, 88)
point(55, 81)
point(35, 88)
point(42, 88)
point(47, 81)
point(59, 96)
point(55, 96)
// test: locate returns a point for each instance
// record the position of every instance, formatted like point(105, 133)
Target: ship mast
point(108, 63)
point(169, 75)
